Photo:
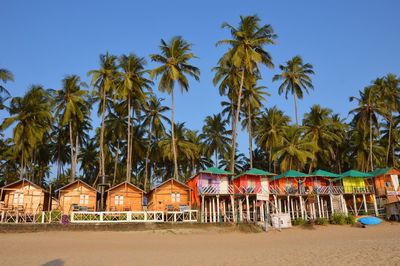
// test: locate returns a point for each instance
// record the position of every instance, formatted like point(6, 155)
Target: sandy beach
point(319, 245)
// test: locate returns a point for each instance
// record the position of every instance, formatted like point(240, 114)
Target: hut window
point(119, 200)
point(18, 198)
point(83, 199)
point(176, 197)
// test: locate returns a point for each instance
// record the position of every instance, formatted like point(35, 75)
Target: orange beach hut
point(77, 196)
point(125, 197)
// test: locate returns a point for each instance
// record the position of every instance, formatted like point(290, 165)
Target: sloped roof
point(324, 173)
point(168, 180)
point(382, 171)
point(25, 180)
point(255, 171)
point(78, 180)
point(354, 173)
point(126, 182)
point(216, 171)
point(290, 173)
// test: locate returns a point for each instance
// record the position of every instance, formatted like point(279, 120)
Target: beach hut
point(125, 197)
point(212, 191)
point(25, 196)
point(356, 187)
point(77, 196)
point(290, 194)
point(171, 195)
point(253, 186)
point(329, 197)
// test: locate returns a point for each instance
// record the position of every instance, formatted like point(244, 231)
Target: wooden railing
point(251, 190)
point(358, 190)
point(117, 217)
point(215, 189)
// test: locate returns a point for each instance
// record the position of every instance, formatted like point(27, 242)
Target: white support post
point(233, 208)
point(218, 218)
point(288, 204)
point(297, 208)
point(43, 217)
point(355, 205)
point(322, 208)
point(375, 205)
point(72, 219)
point(331, 203)
point(210, 211)
point(254, 211)
point(319, 207)
point(267, 208)
point(365, 203)
point(202, 210)
point(292, 209)
point(213, 213)
point(262, 211)
point(280, 205)
point(276, 204)
point(247, 208)
point(301, 207)
point(101, 216)
point(224, 204)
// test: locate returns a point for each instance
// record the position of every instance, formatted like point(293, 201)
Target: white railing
point(358, 190)
point(117, 217)
point(42, 217)
point(215, 189)
point(326, 190)
point(181, 216)
point(252, 190)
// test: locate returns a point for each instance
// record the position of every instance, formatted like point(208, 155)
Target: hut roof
point(290, 173)
point(255, 171)
point(24, 180)
point(166, 181)
point(324, 173)
point(382, 171)
point(354, 173)
point(125, 182)
point(216, 171)
point(76, 181)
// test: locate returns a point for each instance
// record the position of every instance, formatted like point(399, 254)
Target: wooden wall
point(26, 197)
point(132, 198)
point(161, 196)
point(72, 195)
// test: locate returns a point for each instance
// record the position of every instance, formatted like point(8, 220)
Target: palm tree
point(5, 76)
point(153, 119)
point(215, 136)
point(369, 106)
point(269, 129)
point(317, 127)
point(253, 96)
point(32, 115)
point(296, 78)
point(174, 59)
point(103, 81)
point(245, 54)
point(132, 88)
point(294, 150)
point(70, 105)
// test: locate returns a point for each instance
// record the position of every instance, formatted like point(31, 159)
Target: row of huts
point(221, 196)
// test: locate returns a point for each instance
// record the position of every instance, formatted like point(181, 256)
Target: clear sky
point(349, 43)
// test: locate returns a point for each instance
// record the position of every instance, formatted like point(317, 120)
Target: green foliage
point(350, 219)
point(321, 221)
point(338, 218)
point(298, 221)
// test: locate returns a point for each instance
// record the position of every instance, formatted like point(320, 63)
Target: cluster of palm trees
point(137, 141)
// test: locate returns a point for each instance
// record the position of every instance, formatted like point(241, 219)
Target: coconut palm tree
point(154, 120)
point(104, 81)
point(296, 77)
point(70, 103)
point(132, 87)
point(369, 106)
point(294, 151)
point(174, 69)
point(253, 97)
point(32, 116)
point(5, 76)
point(215, 136)
point(268, 130)
point(246, 52)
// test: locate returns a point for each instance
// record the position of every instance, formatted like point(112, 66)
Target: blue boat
point(369, 220)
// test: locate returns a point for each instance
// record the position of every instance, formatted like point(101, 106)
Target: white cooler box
point(281, 220)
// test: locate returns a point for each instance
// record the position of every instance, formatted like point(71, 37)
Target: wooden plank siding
point(25, 196)
point(162, 196)
point(71, 194)
point(125, 197)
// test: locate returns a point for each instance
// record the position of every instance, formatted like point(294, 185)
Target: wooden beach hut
point(358, 191)
point(125, 197)
point(290, 195)
point(212, 191)
point(24, 196)
point(77, 196)
point(171, 195)
point(253, 187)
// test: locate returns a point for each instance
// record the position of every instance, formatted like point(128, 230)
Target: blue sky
point(349, 43)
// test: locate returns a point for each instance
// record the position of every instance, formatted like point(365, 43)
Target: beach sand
point(318, 245)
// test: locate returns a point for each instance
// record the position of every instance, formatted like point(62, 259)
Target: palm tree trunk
point(76, 153)
point(296, 110)
point(128, 157)
point(146, 170)
point(173, 135)
point(21, 172)
point(71, 142)
point(389, 141)
point(370, 141)
point(233, 151)
point(116, 164)
point(270, 160)
point(250, 137)
point(216, 157)
point(102, 159)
